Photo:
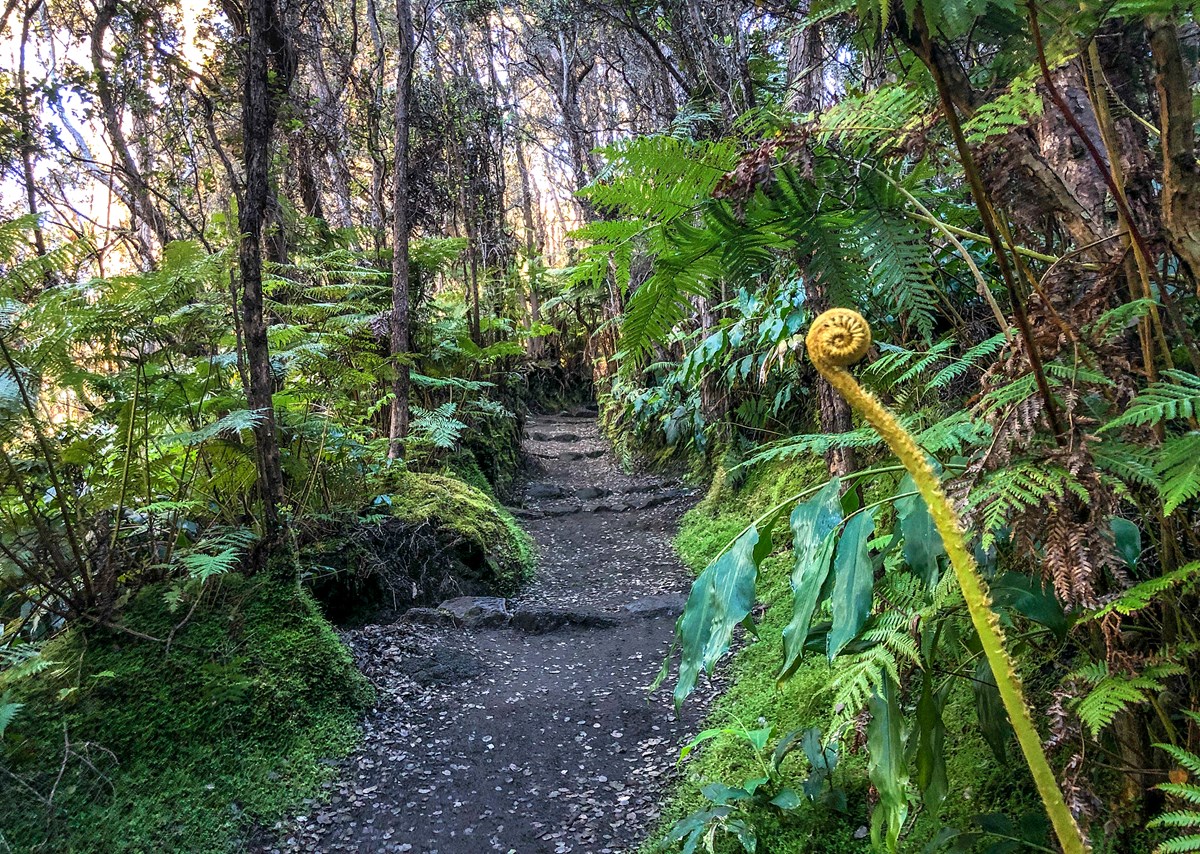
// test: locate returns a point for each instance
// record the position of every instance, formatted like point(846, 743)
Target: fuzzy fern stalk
point(841, 337)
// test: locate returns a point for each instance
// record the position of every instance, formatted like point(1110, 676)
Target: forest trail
point(537, 736)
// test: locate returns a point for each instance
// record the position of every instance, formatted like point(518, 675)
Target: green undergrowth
point(978, 783)
point(132, 745)
point(473, 516)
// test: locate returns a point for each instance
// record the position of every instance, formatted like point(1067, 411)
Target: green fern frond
point(438, 426)
point(1143, 594)
point(1178, 466)
point(1161, 401)
point(898, 262)
point(1186, 759)
point(1114, 693)
point(1010, 491)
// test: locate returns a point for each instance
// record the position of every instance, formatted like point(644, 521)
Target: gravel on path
point(506, 740)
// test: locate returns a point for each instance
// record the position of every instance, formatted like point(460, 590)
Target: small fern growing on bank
point(1187, 817)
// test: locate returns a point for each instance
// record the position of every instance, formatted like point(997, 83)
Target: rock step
point(492, 612)
point(553, 437)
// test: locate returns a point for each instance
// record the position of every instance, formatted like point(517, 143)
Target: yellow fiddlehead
point(841, 337)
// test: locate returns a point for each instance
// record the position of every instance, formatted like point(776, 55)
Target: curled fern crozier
point(838, 338)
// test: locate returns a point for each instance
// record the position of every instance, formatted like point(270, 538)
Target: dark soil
point(537, 740)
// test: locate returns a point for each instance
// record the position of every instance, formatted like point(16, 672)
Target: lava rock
point(540, 620)
point(478, 612)
point(541, 491)
point(666, 605)
point(430, 617)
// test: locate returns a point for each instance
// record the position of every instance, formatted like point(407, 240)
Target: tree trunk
point(806, 70)
point(833, 413)
point(268, 45)
point(28, 148)
point(1181, 172)
point(142, 203)
point(400, 231)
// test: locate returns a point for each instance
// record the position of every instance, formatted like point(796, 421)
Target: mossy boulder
point(179, 746)
point(432, 537)
point(482, 527)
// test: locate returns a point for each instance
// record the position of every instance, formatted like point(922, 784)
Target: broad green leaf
point(721, 597)
point(819, 754)
point(720, 793)
point(1025, 595)
point(744, 833)
point(853, 582)
point(931, 753)
point(698, 740)
point(1127, 537)
point(887, 769)
point(922, 542)
point(993, 722)
point(759, 737)
point(814, 535)
point(787, 799)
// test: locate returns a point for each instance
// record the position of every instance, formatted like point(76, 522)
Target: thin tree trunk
point(28, 148)
point(400, 231)
point(260, 104)
point(1181, 171)
point(833, 413)
point(143, 205)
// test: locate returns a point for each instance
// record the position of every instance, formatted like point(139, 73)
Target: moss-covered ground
point(978, 783)
point(132, 745)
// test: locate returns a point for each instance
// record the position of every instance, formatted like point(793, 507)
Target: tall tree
point(401, 228)
point(270, 67)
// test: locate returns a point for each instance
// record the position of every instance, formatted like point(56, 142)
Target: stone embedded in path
point(540, 620)
point(666, 605)
point(522, 513)
point(478, 611)
point(540, 491)
point(430, 617)
point(607, 508)
point(589, 493)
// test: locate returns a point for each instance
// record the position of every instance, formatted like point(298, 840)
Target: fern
point(1009, 110)
point(1114, 693)
point(218, 553)
point(1189, 794)
point(1010, 491)
point(1161, 401)
point(1142, 595)
point(900, 268)
point(1177, 463)
point(439, 426)
point(8, 711)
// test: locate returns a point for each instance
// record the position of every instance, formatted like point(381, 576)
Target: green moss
point(494, 444)
point(474, 516)
point(180, 748)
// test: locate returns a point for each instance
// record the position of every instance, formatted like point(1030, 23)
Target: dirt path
point(536, 736)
